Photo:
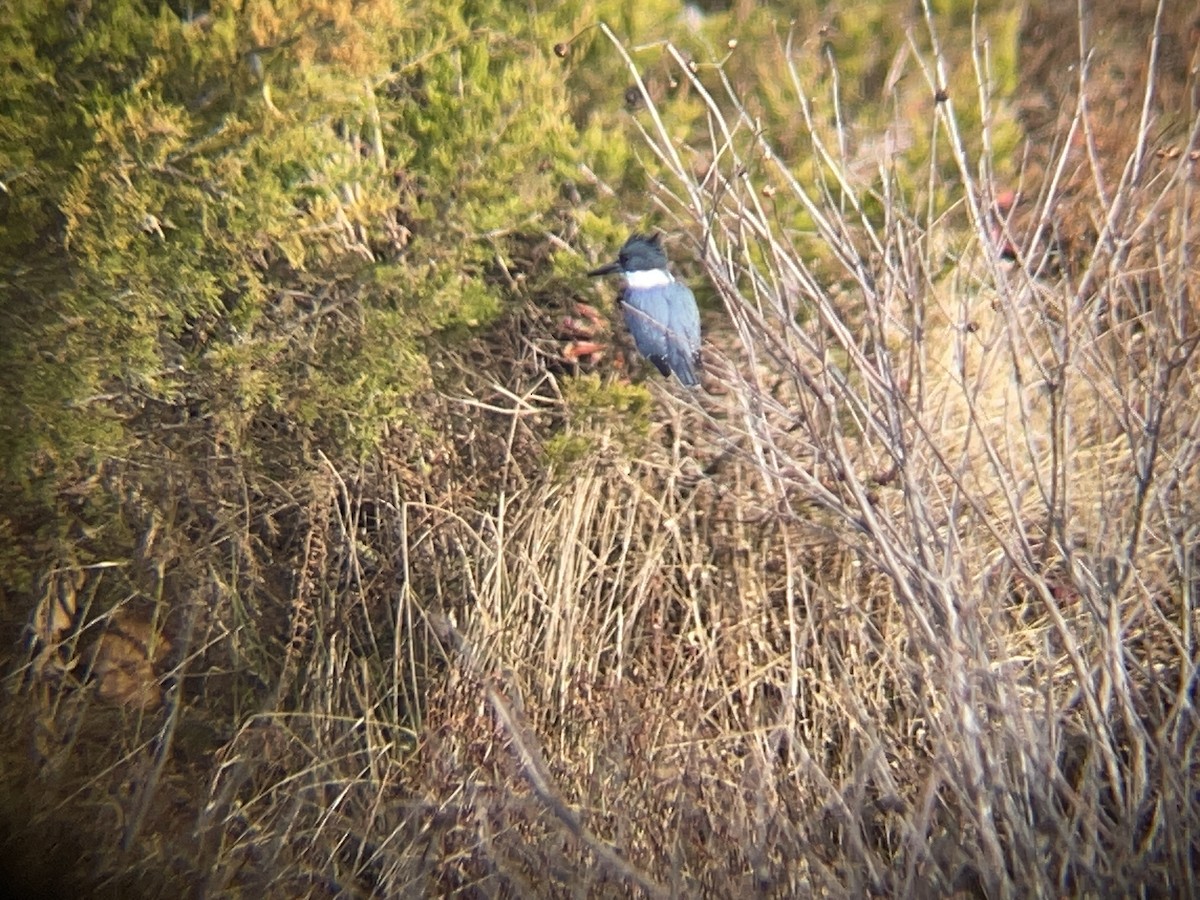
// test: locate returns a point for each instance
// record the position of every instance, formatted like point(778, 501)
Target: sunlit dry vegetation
point(901, 604)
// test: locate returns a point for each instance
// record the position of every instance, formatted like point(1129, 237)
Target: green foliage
point(261, 211)
point(603, 415)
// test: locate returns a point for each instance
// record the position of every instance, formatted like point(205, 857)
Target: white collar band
point(649, 278)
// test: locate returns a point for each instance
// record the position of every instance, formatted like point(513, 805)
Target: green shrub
point(258, 213)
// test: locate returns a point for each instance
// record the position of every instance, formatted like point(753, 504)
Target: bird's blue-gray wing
point(683, 333)
point(647, 316)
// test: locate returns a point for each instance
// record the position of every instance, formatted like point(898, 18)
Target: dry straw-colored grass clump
point(904, 605)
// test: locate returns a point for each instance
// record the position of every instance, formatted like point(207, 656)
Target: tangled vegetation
point(330, 570)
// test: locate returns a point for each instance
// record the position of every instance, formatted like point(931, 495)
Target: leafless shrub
point(924, 625)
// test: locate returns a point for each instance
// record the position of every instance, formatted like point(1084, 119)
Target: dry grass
point(903, 607)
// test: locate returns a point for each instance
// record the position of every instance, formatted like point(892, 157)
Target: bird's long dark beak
point(606, 270)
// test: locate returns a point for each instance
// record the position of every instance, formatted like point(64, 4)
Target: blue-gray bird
point(660, 312)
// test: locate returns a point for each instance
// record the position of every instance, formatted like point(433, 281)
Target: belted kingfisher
point(660, 313)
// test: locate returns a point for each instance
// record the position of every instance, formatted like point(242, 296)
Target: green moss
point(602, 416)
